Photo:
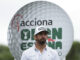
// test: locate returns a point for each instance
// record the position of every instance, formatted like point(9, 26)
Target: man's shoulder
point(28, 51)
point(52, 51)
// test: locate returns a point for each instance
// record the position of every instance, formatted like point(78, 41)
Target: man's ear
point(35, 37)
point(47, 36)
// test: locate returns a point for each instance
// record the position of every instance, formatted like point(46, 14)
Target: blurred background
point(9, 7)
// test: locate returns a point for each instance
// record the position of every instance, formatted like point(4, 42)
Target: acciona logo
point(36, 22)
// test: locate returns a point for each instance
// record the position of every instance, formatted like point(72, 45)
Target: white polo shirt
point(34, 54)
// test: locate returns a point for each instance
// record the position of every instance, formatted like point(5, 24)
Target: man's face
point(41, 37)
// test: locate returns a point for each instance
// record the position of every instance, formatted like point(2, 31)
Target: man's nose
point(43, 35)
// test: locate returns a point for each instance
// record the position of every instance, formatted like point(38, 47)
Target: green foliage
point(5, 53)
point(74, 53)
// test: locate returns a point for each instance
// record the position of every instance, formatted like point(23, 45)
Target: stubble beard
point(41, 41)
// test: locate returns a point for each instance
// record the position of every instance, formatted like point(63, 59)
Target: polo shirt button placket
point(40, 56)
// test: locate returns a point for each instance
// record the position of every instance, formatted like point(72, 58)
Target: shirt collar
point(37, 49)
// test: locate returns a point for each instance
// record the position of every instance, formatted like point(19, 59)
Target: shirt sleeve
point(57, 56)
point(24, 56)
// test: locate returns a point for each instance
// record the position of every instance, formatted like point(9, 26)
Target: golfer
point(40, 51)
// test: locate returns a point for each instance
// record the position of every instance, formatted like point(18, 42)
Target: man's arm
point(24, 56)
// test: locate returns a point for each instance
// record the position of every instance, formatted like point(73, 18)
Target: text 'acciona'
point(36, 22)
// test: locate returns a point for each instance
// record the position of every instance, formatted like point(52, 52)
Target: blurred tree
point(74, 53)
point(5, 53)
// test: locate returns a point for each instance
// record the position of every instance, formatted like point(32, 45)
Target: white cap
point(40, 29)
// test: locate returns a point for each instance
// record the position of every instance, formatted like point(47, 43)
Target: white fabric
point(34, 54)
point(39, 29)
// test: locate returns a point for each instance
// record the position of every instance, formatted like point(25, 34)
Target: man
point(40, 51)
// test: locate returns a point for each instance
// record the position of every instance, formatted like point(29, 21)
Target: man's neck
point(40, 47)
